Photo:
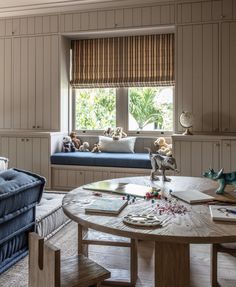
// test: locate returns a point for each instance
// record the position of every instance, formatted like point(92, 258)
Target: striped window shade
point(123, 61)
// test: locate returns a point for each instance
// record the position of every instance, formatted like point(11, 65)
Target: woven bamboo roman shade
point(123, 61)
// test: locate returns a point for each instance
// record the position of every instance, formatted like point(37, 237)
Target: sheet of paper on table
point(121, 188)
point(192, 196)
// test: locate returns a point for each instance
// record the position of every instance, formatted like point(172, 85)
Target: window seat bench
point(70, 170)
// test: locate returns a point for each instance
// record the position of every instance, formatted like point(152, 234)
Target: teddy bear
point(108, 132)
point(118, 133)
point(162, 147)
point(96, 148)
point(76, 141)
point(84, 147)
point(68, 145)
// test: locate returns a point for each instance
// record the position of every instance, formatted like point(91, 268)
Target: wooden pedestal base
point(172, 266)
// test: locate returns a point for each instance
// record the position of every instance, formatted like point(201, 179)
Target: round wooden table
point(172, 239)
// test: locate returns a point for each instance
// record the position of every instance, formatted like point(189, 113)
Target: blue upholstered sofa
point(20, 191)
point(127, 160)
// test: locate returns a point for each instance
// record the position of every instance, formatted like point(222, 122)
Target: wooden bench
point(48, 270)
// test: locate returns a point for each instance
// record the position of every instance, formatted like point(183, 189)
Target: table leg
point(172, 265)
point(82, 248)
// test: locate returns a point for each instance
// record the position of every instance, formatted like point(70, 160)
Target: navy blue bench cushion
point(128, 160)
point(19, 191)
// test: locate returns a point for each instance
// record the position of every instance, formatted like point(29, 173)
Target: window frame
point(122, 116)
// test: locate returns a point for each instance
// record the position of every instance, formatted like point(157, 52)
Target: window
point(136, 109)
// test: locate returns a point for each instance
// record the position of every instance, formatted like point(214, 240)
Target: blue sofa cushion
point(127, 160)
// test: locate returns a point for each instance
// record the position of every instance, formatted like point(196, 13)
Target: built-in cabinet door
point(194, 157)
point(228, 82)
point(197, 83)
point(229, 155)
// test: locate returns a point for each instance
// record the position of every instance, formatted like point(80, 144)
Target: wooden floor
point(115, 257)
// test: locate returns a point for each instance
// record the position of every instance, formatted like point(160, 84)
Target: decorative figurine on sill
point(161, 163)
point(68, 145)
point(76, 141)
point(96, 148)
point(118, 133)
point(84, 147)
point(162, 147)
point(222, 178)
point(108, 132)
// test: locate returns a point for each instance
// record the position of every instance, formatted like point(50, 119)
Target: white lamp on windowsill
point(186, 121)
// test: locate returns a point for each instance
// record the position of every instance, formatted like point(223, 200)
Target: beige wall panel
point(101, 20)
point(110, 19)
point(62, 23)
point(216, 155)
point(186, 13)
point(76, 22)
point(8, 84)
point(55, 84)
point(15, 26)
point(28, 154)
point(225, 77)
point(97, 176)
point(156, 15)
point(24, 109)
point(216, 9)
point(46, 24)
point(68, 23)
point(93, 20)
point(36, 155)
point(12, 154)
point(146, 16)
point(38, 25)
point(234, 10)
point(233, 155)
point(179, 13)
point(226, 155)
point(207, 78)
point(187, 68)
point(179, 76)
point(2, 76)
point(9, 27)
point(232, 73)
point(16, 82)
point(165, 14)
point(39, 82)
point(62, 181)
point(32, 82)
point(215, 77)
point(206, 11)
point(84, 24)
point(5, 148)
point(196, 12)
point(79, 178)
point(31, 25)
point(20, 153)
point(23, 26)
point(45, 159)
point(227, 9)
point(54, 24)
point(207, 155)
point(196, 158)
point(197, 77)
point(47, 64)
point(72, 177)
point(172, 14)
point(119, 18)
point(137, 17)
point(55, 177)
point(128, 17)
point(2, 27)
point(186, 164)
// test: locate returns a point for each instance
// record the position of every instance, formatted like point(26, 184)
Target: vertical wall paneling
point(39, 81)
point(226, 155)
point(206, 11)
point(128, 17)
point(2, 27)
point(12, 154)
point(55, 89)
point(8, 27)
point(216, 9)
point(24, 76)
point(110, 19)
point(196, 12)
point(233, 155)
point(156, 15)
point(46, 24)
point(28, 154)
point(227, 9)
point(179, 76)
point(16, 26)
point(165, 14)
point(136, 17)
point(185, 152)
point(84, 24)
point(207, 155)
point(32, 82)
point(38, 25)
point(93, 20)
point(16, 82)
point(2, 78)
point(101, 19)
point(45, 164)
point(20, 152)
point(4, 148)
point(8, 84)
point(146, 16)
point(68, 23)
point(196, 158)
point(46, 111)
point(119, 18)
point(186, 13)
point(36, 155)
point(54, 24)
point(76, 22)
point(23, 26)
point(215, 78)
point(31, 25)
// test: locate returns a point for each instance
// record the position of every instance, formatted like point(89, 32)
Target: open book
point(192, 196)
point(111, 206)
point(121, 188)
point(223, 212)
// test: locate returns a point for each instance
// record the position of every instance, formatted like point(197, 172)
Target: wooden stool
point(46, 269)
point(224, 248)
point(92, 237)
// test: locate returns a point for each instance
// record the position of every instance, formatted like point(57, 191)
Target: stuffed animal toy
point(76, 141)
point(96, 148)
point(118, 133)
point(108, 132)
point(162, 147)
point(68, 145)
point(84, 147)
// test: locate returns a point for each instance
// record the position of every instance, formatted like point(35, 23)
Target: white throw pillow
point(123, 145)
